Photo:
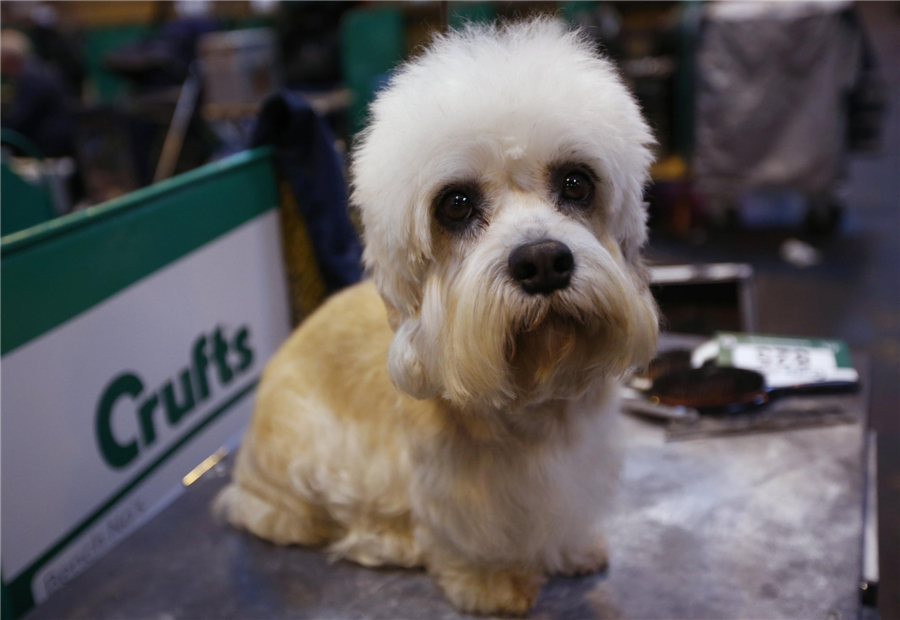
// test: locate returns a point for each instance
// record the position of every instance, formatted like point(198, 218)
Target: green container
point(372, 44)
point(98, 43)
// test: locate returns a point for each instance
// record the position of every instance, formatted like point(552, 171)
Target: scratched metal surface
point(754, 526)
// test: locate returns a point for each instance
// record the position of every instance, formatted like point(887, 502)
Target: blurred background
point(779, 145)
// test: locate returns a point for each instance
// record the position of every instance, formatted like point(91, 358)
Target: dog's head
point(500, 183)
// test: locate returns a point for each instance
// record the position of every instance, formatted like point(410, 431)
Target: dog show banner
point(133, 336)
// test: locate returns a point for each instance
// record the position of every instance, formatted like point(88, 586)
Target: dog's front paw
point(592, 558)
point(481, 591)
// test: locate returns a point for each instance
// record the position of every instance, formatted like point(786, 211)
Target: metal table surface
point(764, 525)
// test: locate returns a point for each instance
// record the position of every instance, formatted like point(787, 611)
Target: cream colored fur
point(437, 415)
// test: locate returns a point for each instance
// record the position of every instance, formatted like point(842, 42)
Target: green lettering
point(174, 410)
point(116, 454)
point(201, 362)
point(220, 351)
point(243, 349)
point(145, 413)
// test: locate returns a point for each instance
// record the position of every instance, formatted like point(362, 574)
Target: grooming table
point(762, 525)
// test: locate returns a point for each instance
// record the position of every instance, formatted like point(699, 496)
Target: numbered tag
point(787, 361)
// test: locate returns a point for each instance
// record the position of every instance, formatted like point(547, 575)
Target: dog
point(457, 410)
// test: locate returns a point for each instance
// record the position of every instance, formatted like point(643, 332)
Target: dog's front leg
point(488, 591)
point(589, 556)
point(477, 588)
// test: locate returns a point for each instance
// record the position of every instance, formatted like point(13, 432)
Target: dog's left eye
point(576, 187)
point(456, 206)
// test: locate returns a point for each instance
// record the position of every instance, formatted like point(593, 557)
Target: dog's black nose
point(542, 267)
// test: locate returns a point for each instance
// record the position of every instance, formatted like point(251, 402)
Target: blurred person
point(784, 91)
point(36, 102)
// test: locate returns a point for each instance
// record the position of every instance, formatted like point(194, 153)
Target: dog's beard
point(485, 343)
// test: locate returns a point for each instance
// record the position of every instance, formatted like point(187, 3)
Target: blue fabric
point(305, 156)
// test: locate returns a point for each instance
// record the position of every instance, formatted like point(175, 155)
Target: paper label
point(787, 361)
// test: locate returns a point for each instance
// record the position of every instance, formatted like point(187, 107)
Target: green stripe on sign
point(19, 589)
point(53, 272)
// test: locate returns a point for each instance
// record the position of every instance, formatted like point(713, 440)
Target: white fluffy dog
point(457, 411)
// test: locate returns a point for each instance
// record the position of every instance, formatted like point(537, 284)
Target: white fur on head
point(498, 106)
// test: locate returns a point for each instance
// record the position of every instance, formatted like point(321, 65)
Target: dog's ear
point(395, 275)
point(633, 236)
point(395, 317)
point(645, 312)
point(406, 366)
point(634, 258)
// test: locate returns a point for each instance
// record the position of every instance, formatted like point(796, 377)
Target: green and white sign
point(133, 336)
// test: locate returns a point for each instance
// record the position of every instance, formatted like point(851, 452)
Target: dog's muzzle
point(541, 267)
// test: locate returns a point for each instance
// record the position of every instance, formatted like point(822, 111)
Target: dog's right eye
point(456, 206)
